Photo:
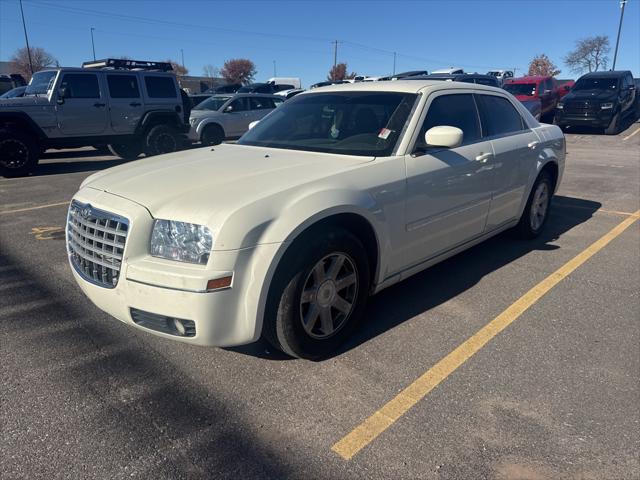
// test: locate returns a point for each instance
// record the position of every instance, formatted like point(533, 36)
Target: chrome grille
point(580, 108)
point(95, 243)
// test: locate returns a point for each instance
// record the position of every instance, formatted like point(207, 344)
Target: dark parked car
point(9, 82)
point(268, 88)
point(599, 99)
point(405, 75)
point(14, 93)
point(198, 98)
point(460, 77)
point(327, 83)
point(230, 88)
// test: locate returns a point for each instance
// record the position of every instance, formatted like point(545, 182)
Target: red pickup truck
point(542, 88)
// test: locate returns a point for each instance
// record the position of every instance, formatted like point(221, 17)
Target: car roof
point(105, 70)
point(401, 86)
point(609, 74)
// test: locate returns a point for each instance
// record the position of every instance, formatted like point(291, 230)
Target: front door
point(448, 190)
point(125, 102)
point(83, 110)
point(236, 117)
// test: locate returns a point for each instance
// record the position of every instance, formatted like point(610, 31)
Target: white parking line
point(629, 136)
point(33, 208)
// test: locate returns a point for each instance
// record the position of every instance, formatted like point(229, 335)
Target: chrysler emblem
point(86, 211)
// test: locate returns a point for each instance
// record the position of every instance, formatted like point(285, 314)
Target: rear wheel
point(19, 153)
point(162, 139)
point(212, 135)
point(536, 212)
point(127, 150)
point(318, 295)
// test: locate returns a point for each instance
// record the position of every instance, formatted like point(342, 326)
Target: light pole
point(26, 38)
point(93, 45)
point(615, 55)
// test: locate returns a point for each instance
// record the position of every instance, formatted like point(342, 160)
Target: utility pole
point(93, 45)
point(335, 52)
point(615, 55)
point(182, 55)
point(26, 38)
point(394, 63)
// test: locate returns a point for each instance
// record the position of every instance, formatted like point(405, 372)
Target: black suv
point(599, 99)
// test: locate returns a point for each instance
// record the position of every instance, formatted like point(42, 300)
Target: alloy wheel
point(539, 206)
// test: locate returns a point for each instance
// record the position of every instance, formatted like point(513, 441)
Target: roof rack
point(122, 64)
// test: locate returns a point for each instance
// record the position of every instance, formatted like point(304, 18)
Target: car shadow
point(444, 281)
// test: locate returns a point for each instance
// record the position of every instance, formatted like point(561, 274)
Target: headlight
point(180, 241)
point(606, 106)
point(560, 105)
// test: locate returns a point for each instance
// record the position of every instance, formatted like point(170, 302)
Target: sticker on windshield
point(384, 133)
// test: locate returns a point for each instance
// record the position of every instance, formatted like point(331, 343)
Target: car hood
point(526, 97)
point(599, 95)
point(206, 184)
point(28, 101)
point(204, 113)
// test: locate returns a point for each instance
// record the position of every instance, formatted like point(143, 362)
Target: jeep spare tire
point(161, 139)
point(19, 152)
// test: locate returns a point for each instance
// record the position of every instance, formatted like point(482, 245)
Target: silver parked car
point(222, 117)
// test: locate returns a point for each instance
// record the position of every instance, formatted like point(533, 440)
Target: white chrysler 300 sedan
point(332, 197)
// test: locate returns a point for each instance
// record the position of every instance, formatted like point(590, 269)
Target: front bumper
point(226, 317)
point(600, 119)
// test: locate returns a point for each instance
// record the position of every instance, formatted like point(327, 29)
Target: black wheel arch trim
point(20, 119)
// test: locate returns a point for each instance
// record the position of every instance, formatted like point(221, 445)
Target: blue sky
point(475, 34)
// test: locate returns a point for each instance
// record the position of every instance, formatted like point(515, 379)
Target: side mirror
point(62, 94)
point(567, 88)
point(253, 124)
point(444, 136)
point(228, 109)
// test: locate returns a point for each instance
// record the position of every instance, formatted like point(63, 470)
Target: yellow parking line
point(629, 136)
point(377, 423)
point(33, 208)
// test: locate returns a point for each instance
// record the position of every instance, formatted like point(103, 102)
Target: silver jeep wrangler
point(132, 106)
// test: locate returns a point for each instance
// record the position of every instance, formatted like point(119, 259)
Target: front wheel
point(318, 295)
point(19, 153)
point(212, 135)
point(536, 212)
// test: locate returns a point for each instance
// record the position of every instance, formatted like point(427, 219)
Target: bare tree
point(40, 59)
point(238, 70)
point(178, 68)
point(590, 54)
point(210, 71)
point(339, 72)
point(542, 65)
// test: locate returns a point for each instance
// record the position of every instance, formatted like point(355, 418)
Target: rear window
point(123, 86)
point(160, 87)
point(498, 115)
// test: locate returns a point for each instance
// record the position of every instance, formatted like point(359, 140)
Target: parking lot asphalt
point(555, 394)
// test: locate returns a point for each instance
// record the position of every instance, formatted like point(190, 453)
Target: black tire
point(212, 135)
point(527, 227)
point(127, 150)
point(161, 139)
point(19, 152)
point(614, 126)
point(283, 323)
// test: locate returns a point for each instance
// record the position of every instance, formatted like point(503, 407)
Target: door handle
point(483, 157)
point(533, 144)
point(134, 104)
point(98, 105)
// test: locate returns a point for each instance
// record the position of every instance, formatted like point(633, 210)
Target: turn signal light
point(218, 283)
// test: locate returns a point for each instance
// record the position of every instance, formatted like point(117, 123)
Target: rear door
point(83, 111)
point(515, 148)
point(125, 102)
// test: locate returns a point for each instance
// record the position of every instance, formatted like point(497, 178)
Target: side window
point(498, 116)
point(123, 86)
point(260, 103)
point(456, 110)
point(81, 85)
point(238, 105)
point(160, 87)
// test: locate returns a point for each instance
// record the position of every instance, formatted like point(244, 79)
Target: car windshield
point(528, 89)
point(346, 123)
point(41, 83)
point(596, 84)
point(212, 103)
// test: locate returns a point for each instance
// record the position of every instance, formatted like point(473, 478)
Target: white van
point(290, 82)
point(450, 71)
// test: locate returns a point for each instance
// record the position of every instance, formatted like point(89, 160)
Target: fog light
point(179, 326)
